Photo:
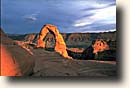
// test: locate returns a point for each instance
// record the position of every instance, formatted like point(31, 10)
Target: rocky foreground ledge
point(52, 64)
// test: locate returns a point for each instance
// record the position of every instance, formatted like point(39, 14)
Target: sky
point(28, 16)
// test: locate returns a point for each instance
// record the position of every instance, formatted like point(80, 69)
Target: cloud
point(104, 14)
point(68, 16)
point(81, 23)
point(98, 31)
point(31, 17)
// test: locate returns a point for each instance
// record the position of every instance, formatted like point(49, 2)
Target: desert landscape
point(21, 57)
point(59, 38)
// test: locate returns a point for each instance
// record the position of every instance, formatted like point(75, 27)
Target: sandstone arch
point(99, 46)
point(60, 45)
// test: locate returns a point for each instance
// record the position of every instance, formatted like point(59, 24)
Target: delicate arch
point(60, 45)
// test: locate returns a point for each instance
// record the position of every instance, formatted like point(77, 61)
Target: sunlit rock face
point(99, 46)
point(60, 45)
point(9, 67)
point(40, 44)
point(15, 60)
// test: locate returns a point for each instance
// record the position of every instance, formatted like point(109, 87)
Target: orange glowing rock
point(15, 60)
point(41, 44)
point(8, 68)
point(99, 46)
point(60, 46)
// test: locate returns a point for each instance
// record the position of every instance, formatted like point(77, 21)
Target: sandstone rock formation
point(60, 45)
point(98, 50)
point(99, 46)
point(15, 61)
point(29, 38)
